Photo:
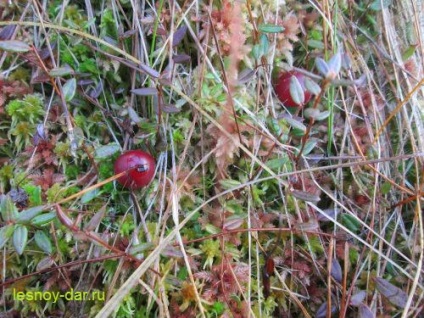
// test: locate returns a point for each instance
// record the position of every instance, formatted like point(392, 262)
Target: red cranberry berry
point(140, 168)
point(282, 88)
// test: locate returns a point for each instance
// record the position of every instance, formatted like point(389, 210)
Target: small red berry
point(140, 168)
point(282, 88)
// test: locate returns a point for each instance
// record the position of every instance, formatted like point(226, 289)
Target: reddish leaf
point(233, 223)
point(161, 31)
point(181, 58)
point(7, 32)
point(179, 35)
point(63, 217)
point(394, 294)
point(322, 310)
point(47, 179)
point(149, 71)
point(358, 298)
point(170, 109)
point(245, 75)
point(336, 271)
point(95, 220)
point(269, 266)
point(46, 262)
point(330, 212)
point(128, 34)
point(171, 251)
point(365, 312)
point(95, 93)
point(145, 91)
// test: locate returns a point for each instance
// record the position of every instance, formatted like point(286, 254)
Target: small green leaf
point(296, 91)
point(43, 219)
point(5, 233)
point(322, 115)
point(312, 86)
point(34, 194)
point(379, 5)
point(14, 46)
point(222, 98)
point(212, 229)
point(322, 66)
point(20, 238)
point(133, 115)
point(264, 44)
point(351, 222)
point(8, 210)
point(295, 123)
point(61, 71)
point(309, 146)
point(271, 28)
point(316, 44)
point(409, 52)
point(234, 207)
point(106, 150)
point(371, 19)
point(30, 213)
point(140, 248)
point(218, 308)
point(311, 113)
point(275, 164)
point(69, 89)
point(257, 51)
point(90, 195)
point(43, 241)
point(297, 132)
point(229, 184)
point(335, 64)
point(385, 188)
point(274, 126)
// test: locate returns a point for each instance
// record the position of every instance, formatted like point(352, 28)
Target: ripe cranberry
point(282, 88)
point(140, 168)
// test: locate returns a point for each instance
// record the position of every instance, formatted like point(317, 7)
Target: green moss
point(29, 109)
point(20, 74)
point(34, 194)
point(127, 226)
point(212, 250)
point(6, 174)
